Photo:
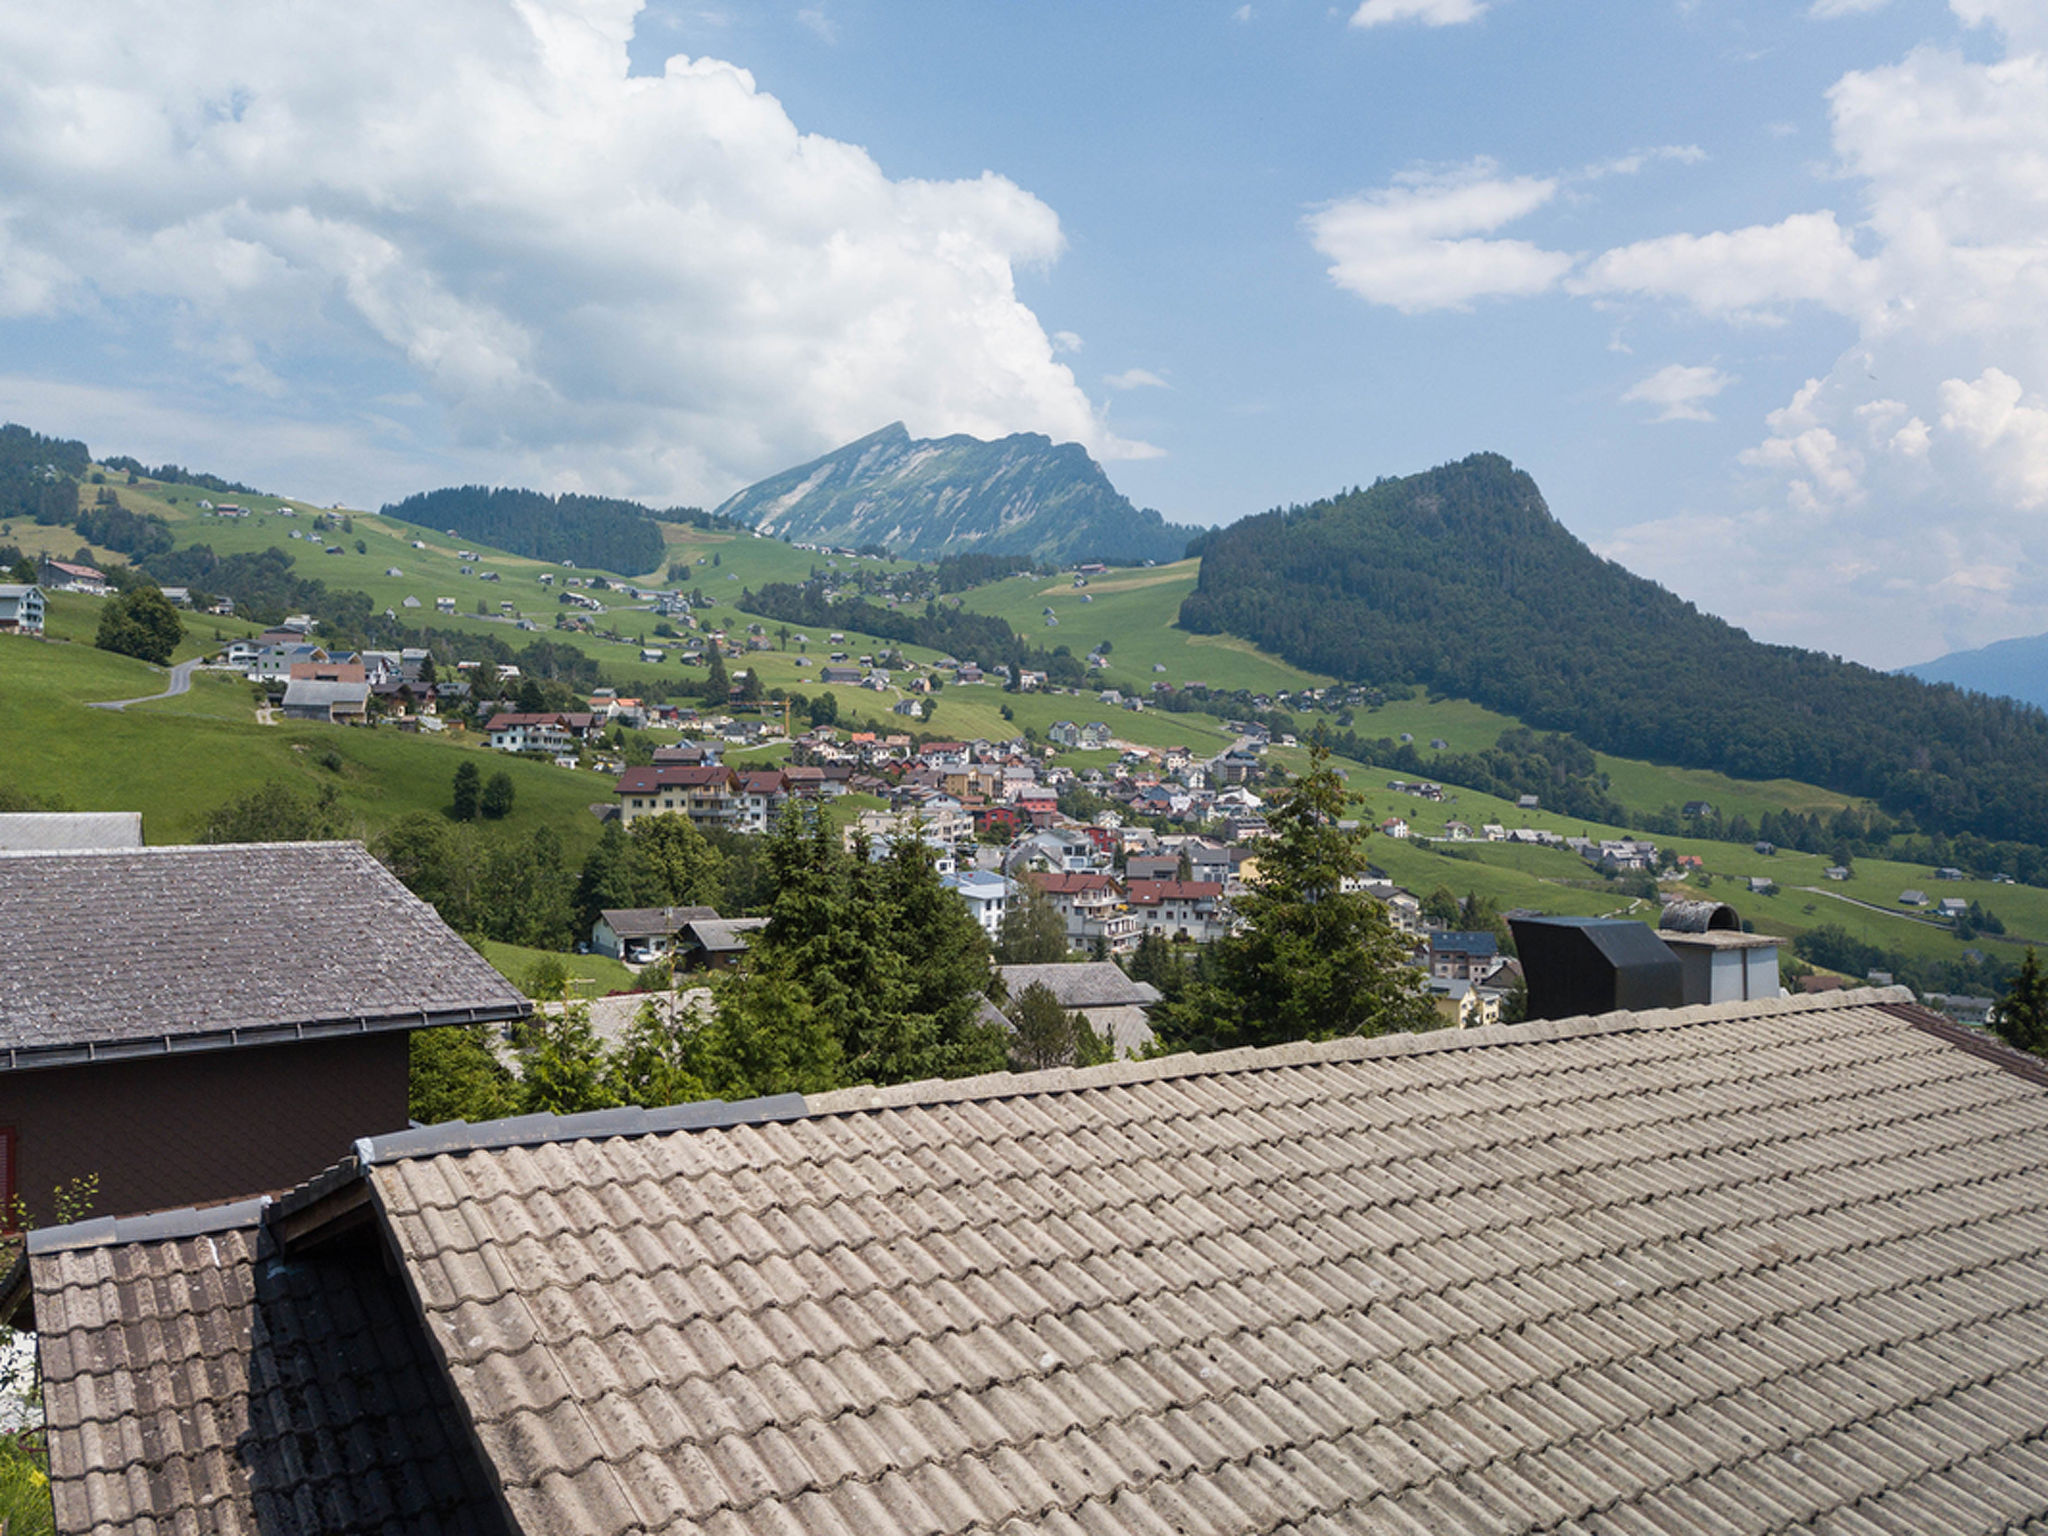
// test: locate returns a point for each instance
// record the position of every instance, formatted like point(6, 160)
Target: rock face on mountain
point(926, 497)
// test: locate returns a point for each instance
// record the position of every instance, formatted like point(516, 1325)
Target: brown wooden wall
point(193, 1130)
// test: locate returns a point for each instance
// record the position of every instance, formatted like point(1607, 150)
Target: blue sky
point(1758, 293)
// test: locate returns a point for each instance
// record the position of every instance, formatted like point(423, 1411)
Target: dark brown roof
point(195, 1379)
point(1748, 1268)
point(144, 950)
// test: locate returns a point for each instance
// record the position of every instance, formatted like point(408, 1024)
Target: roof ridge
point(152, 1227)
point(168, 848)
point(995, 1085)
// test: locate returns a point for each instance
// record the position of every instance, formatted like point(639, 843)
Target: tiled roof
point(1149, 893)
point(645, 781)
point(1714, 1270)
point(1735, 1271)
point(198, 1381)
point(115, 951)
point(652, 922)
point(1081, 983)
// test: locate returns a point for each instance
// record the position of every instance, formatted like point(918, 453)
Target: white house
point(988, 896)
point(21, 609)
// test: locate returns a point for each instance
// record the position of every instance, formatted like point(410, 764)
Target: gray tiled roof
point(651, 922)
point(202, 1382)
point(1739, 1270)
point(1081, 983)
point(1734, 1269)
point(211, 945)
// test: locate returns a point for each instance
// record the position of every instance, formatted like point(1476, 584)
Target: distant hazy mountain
point(2013, 669)
point(925, 497)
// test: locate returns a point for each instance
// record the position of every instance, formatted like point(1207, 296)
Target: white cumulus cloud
point(1739, 273)
point(651, 284)
point(1431, 13)
point(1680, 391)
point(1135, 378)
point(1416, 245)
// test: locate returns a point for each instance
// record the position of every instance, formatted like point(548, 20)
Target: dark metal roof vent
point(1593, 965)
point(1699, 917)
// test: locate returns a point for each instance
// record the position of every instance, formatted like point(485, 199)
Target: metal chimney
point(1592, 965)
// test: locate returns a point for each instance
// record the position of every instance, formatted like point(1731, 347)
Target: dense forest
point(978, 637)
point(1460, 579)
point(39, 475)
point(598, 531)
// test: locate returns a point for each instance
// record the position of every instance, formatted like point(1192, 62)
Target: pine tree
point(1032, 932)
point(2022, 1018)
point(468, 783)
point(1314, 961)
point(457, 1076)
point(561, 1065)
point(496, 800)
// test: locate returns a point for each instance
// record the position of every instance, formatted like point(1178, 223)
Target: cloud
point(1243, 13)
point(1828, 10)
point(1993, 415)
point(1135, 378)
point(819, 24)
point(1678, 390)
point(650, 284)
point(1410, 246)
point(1431, 13)
point(1742, 273)
point(1635, 161)
point(1066, 341)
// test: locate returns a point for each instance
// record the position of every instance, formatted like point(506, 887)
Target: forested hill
point(1461, 580)
point(923, 498)
point(598, 531)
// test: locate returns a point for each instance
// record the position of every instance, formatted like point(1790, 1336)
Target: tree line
point(599, 531)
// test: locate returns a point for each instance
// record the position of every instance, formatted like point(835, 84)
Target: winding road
point(181, 682)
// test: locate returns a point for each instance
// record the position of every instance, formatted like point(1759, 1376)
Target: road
point(181, 682)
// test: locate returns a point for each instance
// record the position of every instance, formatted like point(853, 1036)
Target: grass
point(515, 963)
point(177, 761)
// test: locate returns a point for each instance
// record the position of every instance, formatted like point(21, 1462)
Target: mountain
point(925, 497)
point(2012, 669)
point(1461, 580)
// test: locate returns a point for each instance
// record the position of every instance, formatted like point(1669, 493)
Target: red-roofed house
point(1093, 906)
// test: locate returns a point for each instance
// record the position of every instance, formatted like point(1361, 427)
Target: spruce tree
point(2022, 1018)
point(468, 790)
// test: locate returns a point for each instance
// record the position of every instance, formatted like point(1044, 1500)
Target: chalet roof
point(724, 935)
point(1744, 1268)
point(1062, 883)
point(53, 831)
point(1081, 983)
point(652, 922)
point(1451, 942)
point(144, 951)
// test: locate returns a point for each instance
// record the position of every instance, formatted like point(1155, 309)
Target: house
point(1952, 907)
point(64, 576)
point(21, 609)
point(1093, 908)
point(849, 677)
point(147, 1037)
point(709, 794)
point(1835, 872)
point(1455, 956)
point(1181, 909)
point(552, 733)
point(1394, 827)
point(1912, 898)
point(1697, 808)
point(987, 895)
point(1113, 1005)
point(1757, 1267)
point(641, 934)
point(762, 794)
point(715, 943)
point(317, 699)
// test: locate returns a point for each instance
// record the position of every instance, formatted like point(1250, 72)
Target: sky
point(1757, 292)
